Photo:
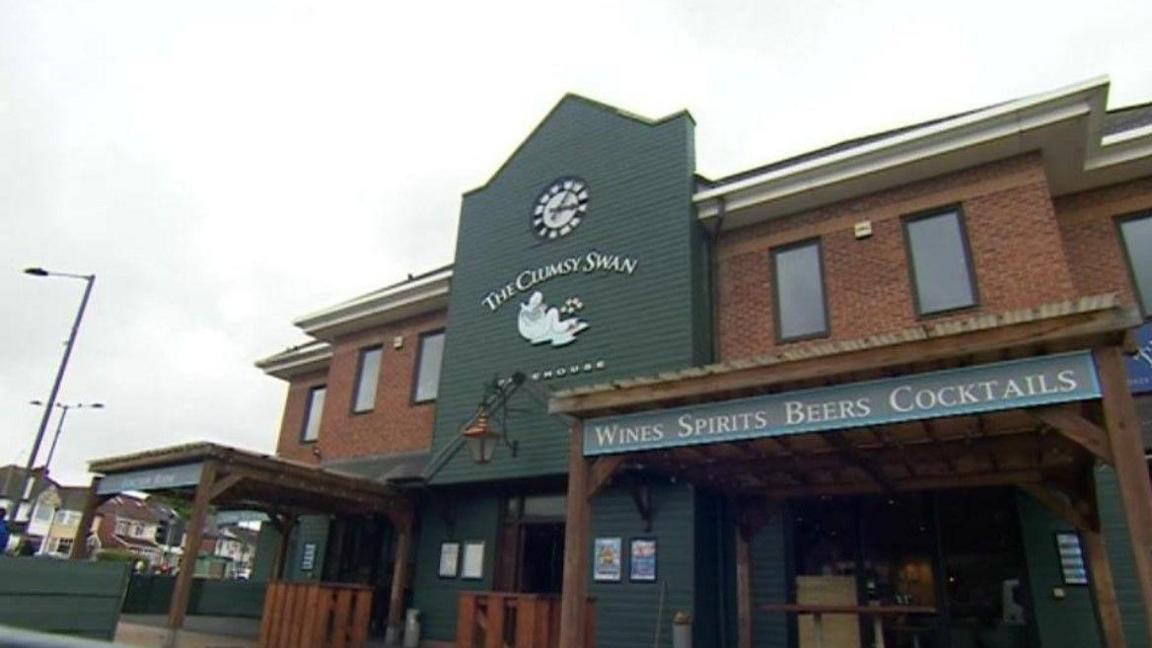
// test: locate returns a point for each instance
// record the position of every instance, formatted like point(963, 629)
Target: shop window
point(366, 380)
point(313, 410)
point(427, 383)
point(940, 262)
point(1136, 231)
point(801, 307)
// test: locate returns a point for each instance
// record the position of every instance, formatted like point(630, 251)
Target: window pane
point(428, 373)
point(366, 383)
point(940, 263)
point(1138, 240)
point(315, 409)
point(800, 292)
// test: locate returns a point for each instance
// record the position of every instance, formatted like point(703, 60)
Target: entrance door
point(532, 545)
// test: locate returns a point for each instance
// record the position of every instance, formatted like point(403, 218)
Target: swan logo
point(540, 323)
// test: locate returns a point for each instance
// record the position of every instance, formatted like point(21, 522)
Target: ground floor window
point(959, 553)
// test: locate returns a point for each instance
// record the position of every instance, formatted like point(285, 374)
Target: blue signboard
point(151, 479)
point(969, 390)
point(1140, 365)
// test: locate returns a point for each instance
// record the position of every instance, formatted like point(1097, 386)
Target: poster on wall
point(449, 559)
point(308, 556)
point(607, 560)
point(1072, 566)
point(642, 561)
point(473, 566)
point(1140, 365)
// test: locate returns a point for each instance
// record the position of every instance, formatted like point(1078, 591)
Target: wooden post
point(1123, 427)
point(283, 526)
point(403, 527)
point(192, 537)
point(743, 589)
point(574, 601)
point(1105, 588)
point(80, 540)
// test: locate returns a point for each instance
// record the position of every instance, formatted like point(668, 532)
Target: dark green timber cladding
point(310, 529)
point(640, 179)
point(628, 613)
point(62, 596)
point(1068, 623)
point(769, 556)
point(453, 518)
point(1115, 529)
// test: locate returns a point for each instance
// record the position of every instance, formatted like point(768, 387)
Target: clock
point(560, 208)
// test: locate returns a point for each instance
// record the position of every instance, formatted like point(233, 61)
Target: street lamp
point(89, 280)
point(60, 425)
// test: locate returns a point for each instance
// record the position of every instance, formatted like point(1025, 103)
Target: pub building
point(885, 393)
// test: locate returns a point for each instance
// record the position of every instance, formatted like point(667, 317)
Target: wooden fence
point(304, 615)
point(500, 619)
point(62, 596)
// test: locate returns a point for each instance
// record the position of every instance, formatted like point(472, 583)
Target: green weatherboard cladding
point(646, 313)
point(628, 613)
point(451, 517)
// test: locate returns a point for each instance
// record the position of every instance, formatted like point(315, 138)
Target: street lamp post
point(60, 425)
point(29, 477)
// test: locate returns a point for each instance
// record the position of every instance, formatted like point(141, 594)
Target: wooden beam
point(1062, 506)
point(400, 570)
point(1080, 326)
point(192, 537)
point(573, 603)
point(80, 540)
point(961, 480)
point(223, 484)
point(1068, 422)
point(1104, 586)
point(1123, 426)
point(601, 472)
point(854, 456)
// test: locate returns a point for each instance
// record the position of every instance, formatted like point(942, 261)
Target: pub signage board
point(151, 479)
point(1140, 365)
point(982, 388)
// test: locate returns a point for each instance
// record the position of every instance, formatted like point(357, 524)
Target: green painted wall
point(310, 529)
point(640, 178)
point(769, 555)
point(474, 518)
point(149, 594)
point(1115, 528)
point(1068, 623)
point(266, 545)
point(628, 613)
point(62, 596)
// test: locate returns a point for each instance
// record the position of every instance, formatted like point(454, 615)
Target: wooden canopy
point(1049, 451)
point(218, 476)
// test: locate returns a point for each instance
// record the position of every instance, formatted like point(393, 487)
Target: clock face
point(560, 208)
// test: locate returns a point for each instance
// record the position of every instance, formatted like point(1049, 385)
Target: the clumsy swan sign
point(982, 388)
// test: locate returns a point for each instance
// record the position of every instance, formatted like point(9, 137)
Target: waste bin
point(412, 628)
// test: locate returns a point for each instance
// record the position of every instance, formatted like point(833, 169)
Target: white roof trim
point(301, 359)
point(1007, 122)
point(419, 295)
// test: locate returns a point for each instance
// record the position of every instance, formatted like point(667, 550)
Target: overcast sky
point(224, 167)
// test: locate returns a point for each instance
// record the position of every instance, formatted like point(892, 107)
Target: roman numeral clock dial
point(560, 208)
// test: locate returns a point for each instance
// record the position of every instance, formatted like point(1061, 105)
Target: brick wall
point(395, 424)
point(1017, 249)
point(1092, 239)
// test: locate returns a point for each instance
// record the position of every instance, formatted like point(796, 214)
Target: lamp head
point(36, 272)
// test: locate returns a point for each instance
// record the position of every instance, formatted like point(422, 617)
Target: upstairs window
point(366, 380)
point(427, 383)
point(940, 262)
point(1136, 231)
point(801, 307)
point(312, 412)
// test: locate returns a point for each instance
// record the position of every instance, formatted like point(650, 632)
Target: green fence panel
point(62, 596)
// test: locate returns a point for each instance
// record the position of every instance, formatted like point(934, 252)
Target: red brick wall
point(395, 424)
point(1017, 250)
point(289, 445)
point(1092, 239)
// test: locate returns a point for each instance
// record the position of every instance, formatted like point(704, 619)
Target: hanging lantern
point(482, 439)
